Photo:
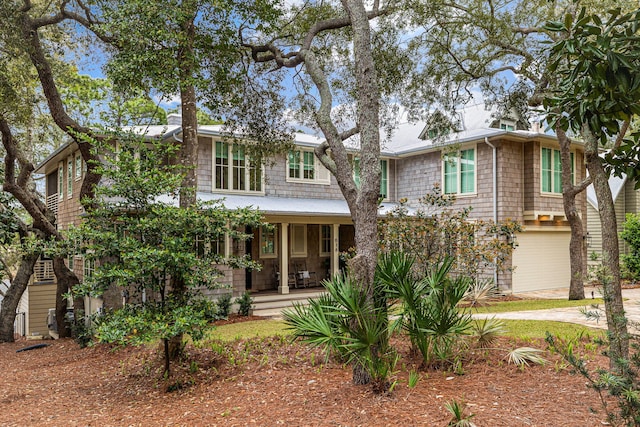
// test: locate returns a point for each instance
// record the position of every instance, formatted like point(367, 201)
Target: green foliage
point(427, 305)
point(458, 419)
point(224, 305)
point(487, 331)
point(631, 235)
point(140, 324)
point(159, 255)
point(596, 61)
point(620, 381)
point(347, 322)
point(192, 47)
point(436, 231)
point(414, 377)
point(245, 303)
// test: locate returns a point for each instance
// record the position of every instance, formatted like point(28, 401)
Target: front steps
point(271, 304)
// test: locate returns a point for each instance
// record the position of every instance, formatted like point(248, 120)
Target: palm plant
point(346, 321)
point(427, 306)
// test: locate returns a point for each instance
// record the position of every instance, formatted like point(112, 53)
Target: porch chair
point(305, 277)
point(291, 279)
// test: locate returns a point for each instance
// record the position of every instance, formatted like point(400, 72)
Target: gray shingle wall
point(277, 185)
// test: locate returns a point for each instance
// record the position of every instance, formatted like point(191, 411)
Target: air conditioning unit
point(51, 320)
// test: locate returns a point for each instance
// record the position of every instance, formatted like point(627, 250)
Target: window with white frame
point(60, 180)
point(551, 170)
point(298, 240)
point(325, 240)
point(69, 177)
point(78, 166)
point(459, 172)
point(304, 166)
point(508, 125)
point(234, 169)
point(206, 246)
point(88, 267)
point(384, 176)
point(268, 242)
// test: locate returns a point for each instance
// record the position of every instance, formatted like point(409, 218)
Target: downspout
point(495, 199)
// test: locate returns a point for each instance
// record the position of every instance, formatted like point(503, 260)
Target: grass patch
point(257, 328)
point(535, 304)
point(524, 329)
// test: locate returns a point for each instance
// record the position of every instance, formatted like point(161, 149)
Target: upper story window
point(551, 171)
point(234, 170)
point(384, 176)
point(508, 125)
point(69, 176)
point(459, 172)
point(60, 180)
point(78, 166)
point(304, 166)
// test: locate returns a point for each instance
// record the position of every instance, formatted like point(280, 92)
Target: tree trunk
point(12, 297)
point(66, 280)
point(577, 245)
point(365, 214)
point(188, 148)
point(612, 291)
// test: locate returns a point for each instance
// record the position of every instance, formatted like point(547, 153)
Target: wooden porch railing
point(52, 203)
point(43, 271)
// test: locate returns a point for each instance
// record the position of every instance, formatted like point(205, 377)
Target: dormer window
point(508, 125)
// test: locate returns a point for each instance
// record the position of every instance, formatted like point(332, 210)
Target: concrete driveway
point(571, 314)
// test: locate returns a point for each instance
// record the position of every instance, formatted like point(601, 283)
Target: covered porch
point(298, 253)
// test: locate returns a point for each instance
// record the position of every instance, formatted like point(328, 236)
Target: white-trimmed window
point(268, 242)
point(508, 125)
point(88, 267)
point(325, 240)
point(384, 176)
point(551, 170)
point(234, 170)
point(206, 246)
point(459, 172)
point(69, 177)
point(304, 166)
point(60, 180)
point(78, 166)
point(298, 240)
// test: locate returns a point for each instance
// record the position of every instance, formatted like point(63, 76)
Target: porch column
point(283, 286)
point(335, 249)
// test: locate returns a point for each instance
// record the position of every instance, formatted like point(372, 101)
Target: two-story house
point(501, 168)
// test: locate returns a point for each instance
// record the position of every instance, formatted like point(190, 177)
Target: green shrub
point(347, 322)
point(631, 235)
point(224, 305)
point(427, 305)
point(246, 303)
point(621, 380)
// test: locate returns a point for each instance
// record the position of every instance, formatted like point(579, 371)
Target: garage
point(541, 261)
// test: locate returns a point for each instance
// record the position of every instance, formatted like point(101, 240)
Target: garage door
point(541, 261)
